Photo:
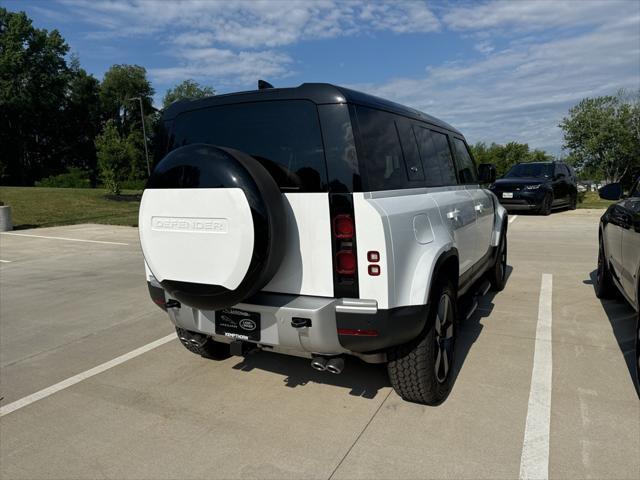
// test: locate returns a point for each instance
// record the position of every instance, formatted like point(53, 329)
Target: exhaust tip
point(319, 363)
point(335, 365)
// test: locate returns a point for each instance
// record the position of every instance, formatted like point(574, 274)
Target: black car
point(619, 252)
point(538, 187)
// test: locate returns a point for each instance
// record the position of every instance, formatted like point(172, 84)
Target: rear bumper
point(337, 326)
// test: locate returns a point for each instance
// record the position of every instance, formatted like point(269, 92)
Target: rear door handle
point(453, 214)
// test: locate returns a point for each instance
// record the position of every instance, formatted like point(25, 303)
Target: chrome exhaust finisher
point(335, 365)
point(319, 363)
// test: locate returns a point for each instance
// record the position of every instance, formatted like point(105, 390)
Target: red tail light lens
point(345, 262)
point(343, 226)
point(356, 332)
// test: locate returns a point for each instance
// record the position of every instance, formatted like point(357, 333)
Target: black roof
point(319, 93)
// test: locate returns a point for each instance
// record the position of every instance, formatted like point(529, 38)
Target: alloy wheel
point(445, 338)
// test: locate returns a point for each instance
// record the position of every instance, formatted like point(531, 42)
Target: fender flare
point(421, 292)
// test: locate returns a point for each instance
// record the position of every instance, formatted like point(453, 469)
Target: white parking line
point(513, 218)
point(34, 397)
point(5, 261)
point(62, 238)
point(534, 463)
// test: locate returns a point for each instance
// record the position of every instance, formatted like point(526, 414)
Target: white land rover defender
point(321, 222)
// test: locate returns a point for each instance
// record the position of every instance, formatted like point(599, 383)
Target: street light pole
point(144, 134)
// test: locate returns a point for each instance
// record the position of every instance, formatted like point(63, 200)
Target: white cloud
point(522, 92)
point(242, 35)
point(256, 23)
point(534, 15)
point(231, 68)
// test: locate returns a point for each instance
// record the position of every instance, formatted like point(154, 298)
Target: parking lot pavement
point(68, 306)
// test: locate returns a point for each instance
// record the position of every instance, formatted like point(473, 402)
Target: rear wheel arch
point(447, 266)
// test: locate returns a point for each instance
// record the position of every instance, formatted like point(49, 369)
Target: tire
point(638, 353)
point(573, 203)
point(421, 371)
point(545, 208)
point(203, 345)
point(498, 273)
point(604, 282)
point(203, 166)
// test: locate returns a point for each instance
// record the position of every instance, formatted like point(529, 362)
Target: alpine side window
point(466, 166)
point(436, 157)
point(412, 161)
point(382, 151)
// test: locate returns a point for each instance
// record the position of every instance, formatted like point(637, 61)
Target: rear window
point(284, 136)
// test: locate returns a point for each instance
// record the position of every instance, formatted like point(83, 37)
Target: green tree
point(188, 89)
point(120, 85)
point(505, 156)
point(33, 86)
point(603, 135)
point(82, 120)
point(114, 157)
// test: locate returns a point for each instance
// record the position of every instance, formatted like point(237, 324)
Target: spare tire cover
point(212, 225)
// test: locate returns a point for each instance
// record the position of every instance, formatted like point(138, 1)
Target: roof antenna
point(262, 85)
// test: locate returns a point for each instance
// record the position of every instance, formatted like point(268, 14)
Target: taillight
point(346, 263)
point(343, 246)
point(343, 226)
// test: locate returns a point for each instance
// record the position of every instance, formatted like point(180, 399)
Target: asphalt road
point(543, 380)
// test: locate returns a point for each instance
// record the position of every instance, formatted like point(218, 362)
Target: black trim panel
point(395, 326)
point(157, 295)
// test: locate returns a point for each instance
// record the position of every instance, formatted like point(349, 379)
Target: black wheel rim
point(445, 338)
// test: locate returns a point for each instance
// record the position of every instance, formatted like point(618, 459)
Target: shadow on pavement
point(470, 328)
point(623, 321)
point(362, 379)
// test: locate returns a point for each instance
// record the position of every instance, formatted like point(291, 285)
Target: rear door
point(559, 184)
point(285, 137)
point(454, 201)
point(482, 203)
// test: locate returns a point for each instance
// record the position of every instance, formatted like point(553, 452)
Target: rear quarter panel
point(408, 231)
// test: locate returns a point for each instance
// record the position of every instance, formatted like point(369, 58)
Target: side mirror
point(487, 173)
point(559, 176)
point(613, 191)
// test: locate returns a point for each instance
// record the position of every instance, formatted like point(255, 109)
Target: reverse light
point(373, 256)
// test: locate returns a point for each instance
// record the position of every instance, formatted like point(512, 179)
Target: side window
point(410, 151)
point(436, 157)
point(382, 150)
point(466, 167)
point(567, 171)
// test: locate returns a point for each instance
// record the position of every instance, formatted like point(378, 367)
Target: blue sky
point(497, 70)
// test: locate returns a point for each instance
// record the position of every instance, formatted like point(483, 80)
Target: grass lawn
point(592, 200)
point(45, 207)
